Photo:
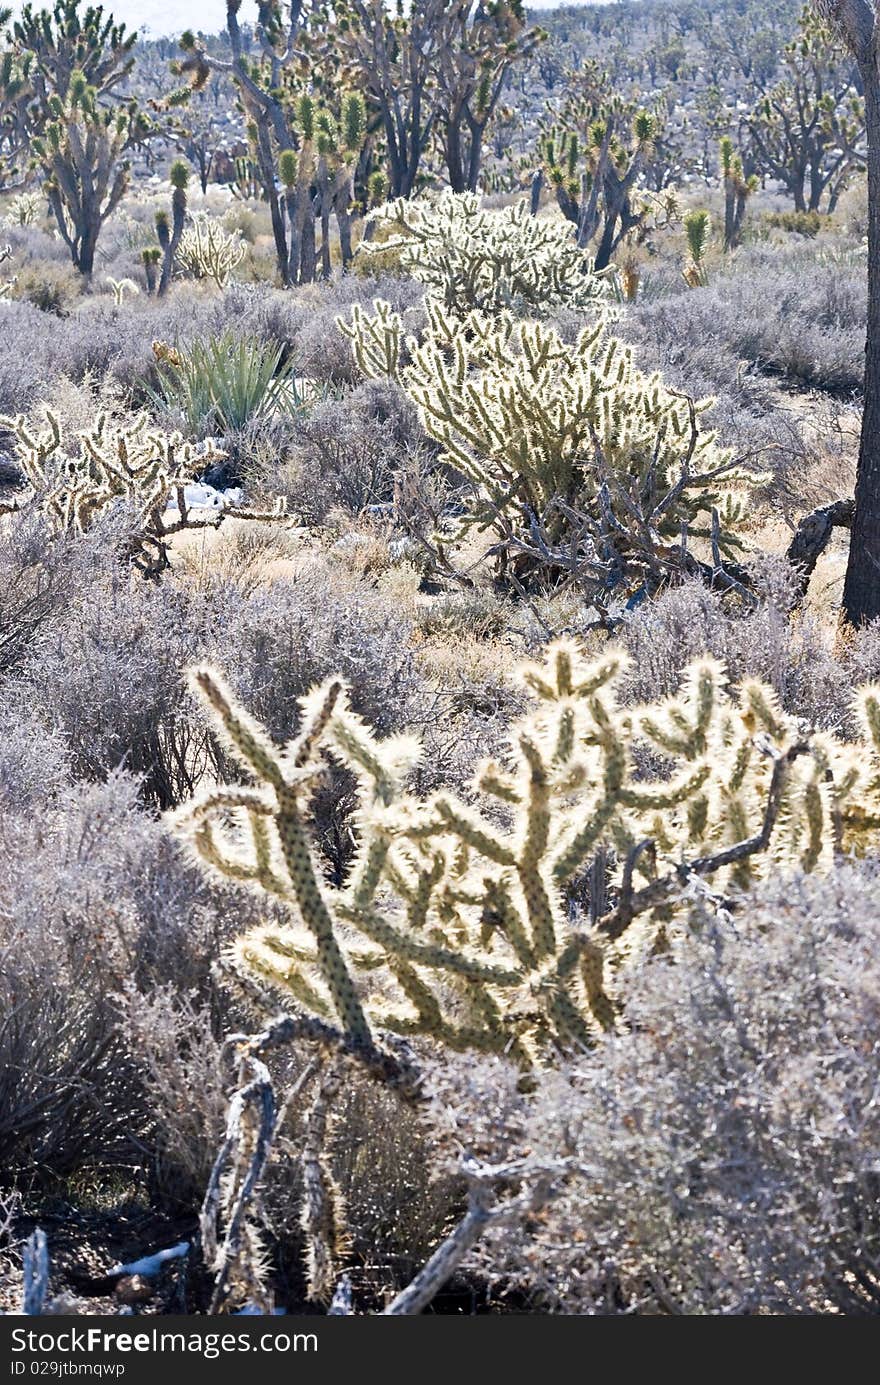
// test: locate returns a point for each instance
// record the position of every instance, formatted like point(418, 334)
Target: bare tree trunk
point(861, 591)
point(729, 214)
point(326, 263)
point(85, 261)
point(475, 156)
point(267, 176)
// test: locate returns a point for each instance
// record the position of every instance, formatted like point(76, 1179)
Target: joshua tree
point(303, 154)
point(738, 188)
point(806, 129)
point(58, 95)
point(857, 21)
point(594, 158)
point(81, 158)
point(168, 235)
point(198, 135)
point(440, 67)
point(480, 44)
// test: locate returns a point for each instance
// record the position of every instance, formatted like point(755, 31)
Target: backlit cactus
point(474, 258)
point(75, 481)
point(576, 458)
point(208, 251)
point(471, 922)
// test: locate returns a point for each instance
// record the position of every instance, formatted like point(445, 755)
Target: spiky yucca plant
point(221, 382)
point(697, 228)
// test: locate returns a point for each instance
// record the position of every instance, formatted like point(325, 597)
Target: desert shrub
point(245, 222)
point(800, 223)
point(290, 635)
point(321, 351)
point(470, 258)
point(36, 574)
point(348, 450)
point(97, 904)
point(29, 776)
point(102, 674)
point(101, 339)
point(790, 652)
point(31, 246)
point(725, 1147)
point(105, 677)
point(53, 288)
point(478, 614)
point(177, 1053)
point(81, 891)
point(814, 334)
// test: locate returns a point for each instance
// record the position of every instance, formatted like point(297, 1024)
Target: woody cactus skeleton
point(112, 463)
point(577, 461)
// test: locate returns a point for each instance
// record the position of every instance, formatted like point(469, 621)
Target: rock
point(10, 473)
point(221, 475)
point(133, 1289)
point(200, 496)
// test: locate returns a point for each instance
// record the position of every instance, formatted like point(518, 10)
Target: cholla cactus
point(208, 251)
point(24, 209)
point(120, 287)
point(577, 459)
point(466, 922)
point(476, 259)
point(132, 463)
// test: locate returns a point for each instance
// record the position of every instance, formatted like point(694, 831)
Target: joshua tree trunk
point(308, 253)
point(85, 261)
point(861, 592)
point(857, 20)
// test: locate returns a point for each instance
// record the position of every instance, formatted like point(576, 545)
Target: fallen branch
point(813, 535)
